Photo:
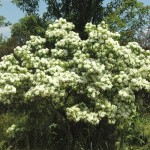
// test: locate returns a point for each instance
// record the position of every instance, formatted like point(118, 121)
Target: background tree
point(2, 20)
point(3, 42)
point(7, 46)
point(127, 17)
point(27, 26)
point(79, 12)
point(143, 37)
point(21, 32)
point(123, 16)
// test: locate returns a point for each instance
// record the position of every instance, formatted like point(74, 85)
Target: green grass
point(143, 124)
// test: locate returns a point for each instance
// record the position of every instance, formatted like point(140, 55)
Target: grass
point(143, 124)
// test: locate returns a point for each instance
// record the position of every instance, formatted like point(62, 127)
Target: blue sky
point(13, 14)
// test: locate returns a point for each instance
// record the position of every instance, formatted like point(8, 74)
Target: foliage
point(137, 136)
point(144, 38)
point(2, 20)
point(7, 46)
point(21, 31)
point(2, 39)
point(70, 88)
point(29, 25)
point(6, 120)
point(79, 12)
point(125, 16)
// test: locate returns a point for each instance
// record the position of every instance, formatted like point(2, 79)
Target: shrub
point(71, 87)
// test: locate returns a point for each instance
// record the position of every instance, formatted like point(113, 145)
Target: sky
point(13, 14)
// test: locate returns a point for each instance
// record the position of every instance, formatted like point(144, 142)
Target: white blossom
point(90, 79)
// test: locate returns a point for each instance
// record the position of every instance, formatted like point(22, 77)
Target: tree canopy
point(127, 17)
point(79, 12)
point(27, 26)
point(124, 16)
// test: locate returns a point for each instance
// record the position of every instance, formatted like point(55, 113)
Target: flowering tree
point(84, 81)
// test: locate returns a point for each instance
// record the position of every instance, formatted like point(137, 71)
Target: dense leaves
point(125, 16)
point(79, 12)
point(29, 25)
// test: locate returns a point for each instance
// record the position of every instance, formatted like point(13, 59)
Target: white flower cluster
point(11, 130)
point(76, 113)
point(58, 29)
point(36, 41)
point(82, 112)
point(70, 42)
point(52, 86)
point(90, 79)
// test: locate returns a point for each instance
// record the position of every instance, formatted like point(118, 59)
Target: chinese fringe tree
point(61, 81)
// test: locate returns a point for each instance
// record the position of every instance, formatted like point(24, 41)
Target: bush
point(6, 120)
point(75, 92)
